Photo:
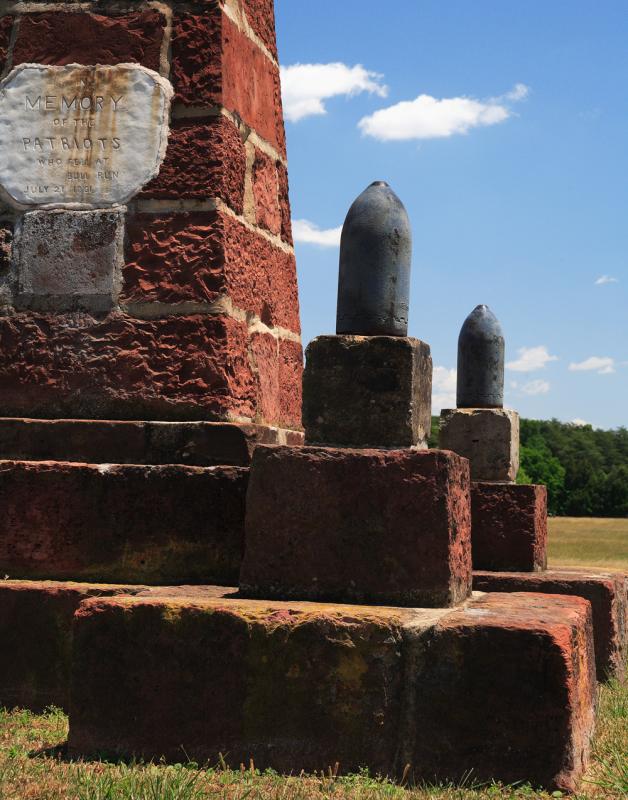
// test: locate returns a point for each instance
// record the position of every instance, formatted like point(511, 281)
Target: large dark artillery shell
point(481, 361)
point(375, 260)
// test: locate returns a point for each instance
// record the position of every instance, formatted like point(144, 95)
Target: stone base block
point(367, 391)
point(121, 523)
point(606, 591)
point(488, 437)
point(503, 688)
point(509, 525)
point(374, 526)
point(36, 635)
point(199, 444)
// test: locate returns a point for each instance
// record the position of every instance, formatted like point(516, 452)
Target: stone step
point(115, 523)
point(606, 591)
point(199, 444)
point(502, 687)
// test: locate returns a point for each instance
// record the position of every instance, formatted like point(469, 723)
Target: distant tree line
point(585, 469)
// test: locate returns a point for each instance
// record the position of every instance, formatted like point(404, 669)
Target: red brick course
point(58, 37)
point(284, 203)
point(384, 527)
point(266, 193)
point(6, 26)
point(214, 63)
point(122, 523)
point(205, 159)
point(509, 527)
point(261, 17)
point(194, 367)
point(198, 256)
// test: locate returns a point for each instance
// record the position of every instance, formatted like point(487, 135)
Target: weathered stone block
point(367, 391)
point(198, 444)
point(266, 193)
point(509, 527)
point(215, 63)
point(62, 37)
point(121, 524)
point(502, 689)
point(374, 526)
point(68, 260)
point(36, 633)
point(506, 690)
point(488, 437)
point(606, 591)
point(205, 159)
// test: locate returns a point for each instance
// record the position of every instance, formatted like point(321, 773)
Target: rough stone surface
point(6, 245)
point(122, 524)
point(117, 367)
point(261, 17)
point(373, 526)
point(367, 391)
point(284, 203)
point(69, 135)
point(68, 260)
point(6, 26)
point(266, 193)
point(36, 631)
point(57, 37)
point(205, 159)
point(606, 591)
point(176, 258)
point(199, 444)
point(489, 438)
point(507, 691)
point(214, 63)
point(509, 525)
point(305, 686)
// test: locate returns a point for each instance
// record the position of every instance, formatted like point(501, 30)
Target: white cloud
point(305, 87)
point(530, 359)
point(427, 117)
point(580, 423)
point(604, 279)
point(603, 365)
point(308, 233)
point(536, 387)
point(443, 389)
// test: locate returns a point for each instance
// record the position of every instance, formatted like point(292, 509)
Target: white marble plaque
point(81, 136)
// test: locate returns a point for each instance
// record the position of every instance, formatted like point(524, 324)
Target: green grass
point(32, 767)
point(588, 542)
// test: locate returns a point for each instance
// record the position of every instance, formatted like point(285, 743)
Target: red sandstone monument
point(151, 444)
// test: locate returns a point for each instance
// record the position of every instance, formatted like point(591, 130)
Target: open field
point(32, 764)
point(587, 542)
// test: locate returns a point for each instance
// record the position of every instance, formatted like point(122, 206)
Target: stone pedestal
point(488, 437)
point(367, 391)
point(606, 591)
point(502, 688)
point(509, 527)
point(371, 526)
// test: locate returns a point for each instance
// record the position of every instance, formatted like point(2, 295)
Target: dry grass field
point(588, 542)
point(33, 766)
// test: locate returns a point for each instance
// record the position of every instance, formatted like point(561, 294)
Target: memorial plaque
point(81, 136)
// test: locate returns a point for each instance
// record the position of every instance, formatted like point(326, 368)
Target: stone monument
point(150, 344)
point(509, 521)
point(149, 316)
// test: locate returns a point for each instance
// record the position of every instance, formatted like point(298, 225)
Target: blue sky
point(503, 127)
